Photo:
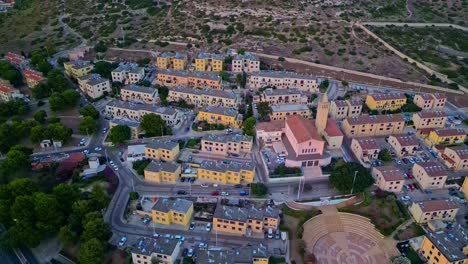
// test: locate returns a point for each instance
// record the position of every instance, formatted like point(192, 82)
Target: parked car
point(235, 155)
point(146, 220)
point(181, 192)
point(406, 186)
point(243, 193)
point(156, 235)
point(192, 226)
point(412, 187)
point(411, 160)
point(428, 191)
point(277, 234)
point(398, 162)
point(208, 227)
point(168, 236)
point(215, 193)
point(224, 194)
point(405, 198)
point(204, 185)
point(195, 151)
point(190, 253)
point(202, 245)
point(238, 186)
point(122, 241)
point(410, 175)
point(270, 233)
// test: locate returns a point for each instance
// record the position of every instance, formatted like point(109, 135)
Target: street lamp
point(354, 179)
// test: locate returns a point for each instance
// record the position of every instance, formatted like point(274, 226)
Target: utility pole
point(354, 179)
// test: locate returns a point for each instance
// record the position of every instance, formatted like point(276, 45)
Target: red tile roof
point(450, 132)
point(14, 58)
point(302, 129)
point(432, 114)
point(332, 129)
point(367, 143)
point(391, 173)
point(6, 89)
point(433, 169)
point(437, 205)
point(270, 126)
point(33, 75)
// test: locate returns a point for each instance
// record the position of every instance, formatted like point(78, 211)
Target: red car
point(411, 186)
point(410, 175)
point(215, 193)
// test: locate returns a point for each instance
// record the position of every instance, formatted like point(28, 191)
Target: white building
point(283, 80)
point(94, 85)
point(246, 62)
point(128, 73)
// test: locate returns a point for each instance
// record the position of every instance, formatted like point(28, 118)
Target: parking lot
point(271, 158)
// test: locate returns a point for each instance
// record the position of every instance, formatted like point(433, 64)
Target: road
point(403, 24)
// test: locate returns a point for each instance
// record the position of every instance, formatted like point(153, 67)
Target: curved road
point(416, 24)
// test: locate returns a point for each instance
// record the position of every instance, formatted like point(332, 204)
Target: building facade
point(162, 250)
point(390, 101)
point(166, 150)
point(429, 119)
point(137, 93)
point(171, 60)
point(373, 125)
point(94, 85)
point(281, 112)
point(388, 178)
point(135, 112)
point(168, 211)
point(225, 145)
point(194, 79)
point(162, 172)
point(209, 62)
point(228, 117)
point(7, 93)
point(245, 63)
point(456, 158)
point(133, 125)
point(269, 132)
point(78, 68)
point(282, 80)
point(404, 145)
point(448, 246)
point(446, 136)
point(203, 97)
point(426, 211)
point(128, 73)
point(232, 173)
point(429, 175)
point(365, 149)
point(283, 96)
point(430, 101)
point(32, 77)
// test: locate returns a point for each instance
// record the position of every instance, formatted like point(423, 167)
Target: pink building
point(303, 143)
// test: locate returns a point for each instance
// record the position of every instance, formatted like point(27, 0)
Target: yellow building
point(162, 172)
point(171, 60)
point(281, 112)
point(165, 150)
point(429, 119)
point(388, 178)
point(78, 68)
point(464, 188)
point(456, 158)
point(430, 175)
point(226, 144)
point(446, 136)
point(445, 247)
point(373, 125)
point(245, 220)
point(32, 77)
point(391, 101)
point(168, 211)
point(209, 62)
point(430, 101)
point(161, 251)
point(426, 211)
point(220, 115)
point(255, 254)
point(404, 145)
point(232, 173)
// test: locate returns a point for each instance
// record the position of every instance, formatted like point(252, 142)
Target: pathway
point(416, 24)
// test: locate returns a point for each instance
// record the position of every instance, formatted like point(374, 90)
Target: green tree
point(15, 161)
point(56, 102)
point(98, 229)
point(41, 90)
point(88, 125)
point(249, 126)
point(56, 81)
point(67, 235)
point(66, 195)
point(153, 125)
point(104, 68)
point(119, 134)
point(342, 176)
point(100, 47)
point(99, 199)
point(385, 155)
point(241, 79)
point(263, 109)
point(60, 132)
point(89, 110)
point(92, 252)
point(40, 116)
point(71, 97)
point(258, 189)
point(22, 187)
point(224, 75)
point(44, 67)
point(163, 92)
point(9, 73)
point(48, 216)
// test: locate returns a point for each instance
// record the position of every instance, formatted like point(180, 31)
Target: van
point(270, 233)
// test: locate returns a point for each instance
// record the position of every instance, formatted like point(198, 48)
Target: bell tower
point(322, 114)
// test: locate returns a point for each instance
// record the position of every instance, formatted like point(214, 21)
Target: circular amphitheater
point(344, 238)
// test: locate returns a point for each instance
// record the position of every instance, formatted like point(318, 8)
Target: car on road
point(235, 155)
point(226, 161)
point(86, 151)
point(224, 194)
point(111, 162)
point(411, 186)
point(405, 198)
point(204, 185)
point(411, 160)
point(192, 226)
point(208, 227)
point(181, 192)
point(156, 235)
point(190, 253)
point(270, 233)
point(410, 175)
point(277, 234)
point(122, 241)
point(243, 193)
point(203, 245)
point(428, 191)
point(215, 193)
point(97, 149)
point(168, 236)
point(238, 186)
point(181, 238)
point(228, 131)
point(146, 220)
point(406, 186)
point(398, 162)
point(184, 252)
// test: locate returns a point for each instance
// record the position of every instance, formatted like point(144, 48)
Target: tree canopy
point(10, 73)
point(258, 189)
point(385, 155)
point(153, 125)
point(89, 110)
point(119, 134)
point(263, 109)
point(249, 126)
point(64, 100)
point(56, 131)
point(342, 175)
point(88, 125)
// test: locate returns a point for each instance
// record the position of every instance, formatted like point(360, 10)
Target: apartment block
point(161, 250)
point(232, 173)
point(429, 119)
point(245, 63)
point(404, 145)
point(209, 62)
point(446, 136)
point(269, 132)
point(133, 111)
point(203, 97)
point(426, 211)
point(32, 77)
point(388, 178)
point(456, 158)
point(229, 117)
point(283, 80)
point(464, 187)
point(281, 112)
point(162, 172)
point(283, 96)
point(94, 85)
point(340, 109)
point(390, 101)
point(137, 93)
point(172, 211)
point(430, 101)
point(128, 73)
point(16, 60)
point(8, 93)
point(133, 125)
point(430, 175)
point(255, 254)
point(246, 220)
point(171, 60)
point(447, 246)
point(373, 125)
point(183, 78)
point(78, 68)
point(365, 149)
point(226, 144)
point(165, 150)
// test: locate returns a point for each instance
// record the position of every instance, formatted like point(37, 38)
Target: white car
point(122, 241)
point(85, 151)
point(405, 198)
point(224, 194)
point(204, 185)
point(208, 227)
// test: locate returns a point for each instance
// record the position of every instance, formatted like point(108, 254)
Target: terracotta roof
point(461, 151)
point(271, 126)
point(405, 141)
point(447, 132)
point(389, 96)
point(391, 173)
point(437, 205)
point(14, 58)
point(340, 103)
point(302, 129)
point(431, 114)
point(354, 102)
point(374, 119)
point(332, 129)
point(6, 89)
point(367, 143)
point(33, 75)
point(432, 168)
